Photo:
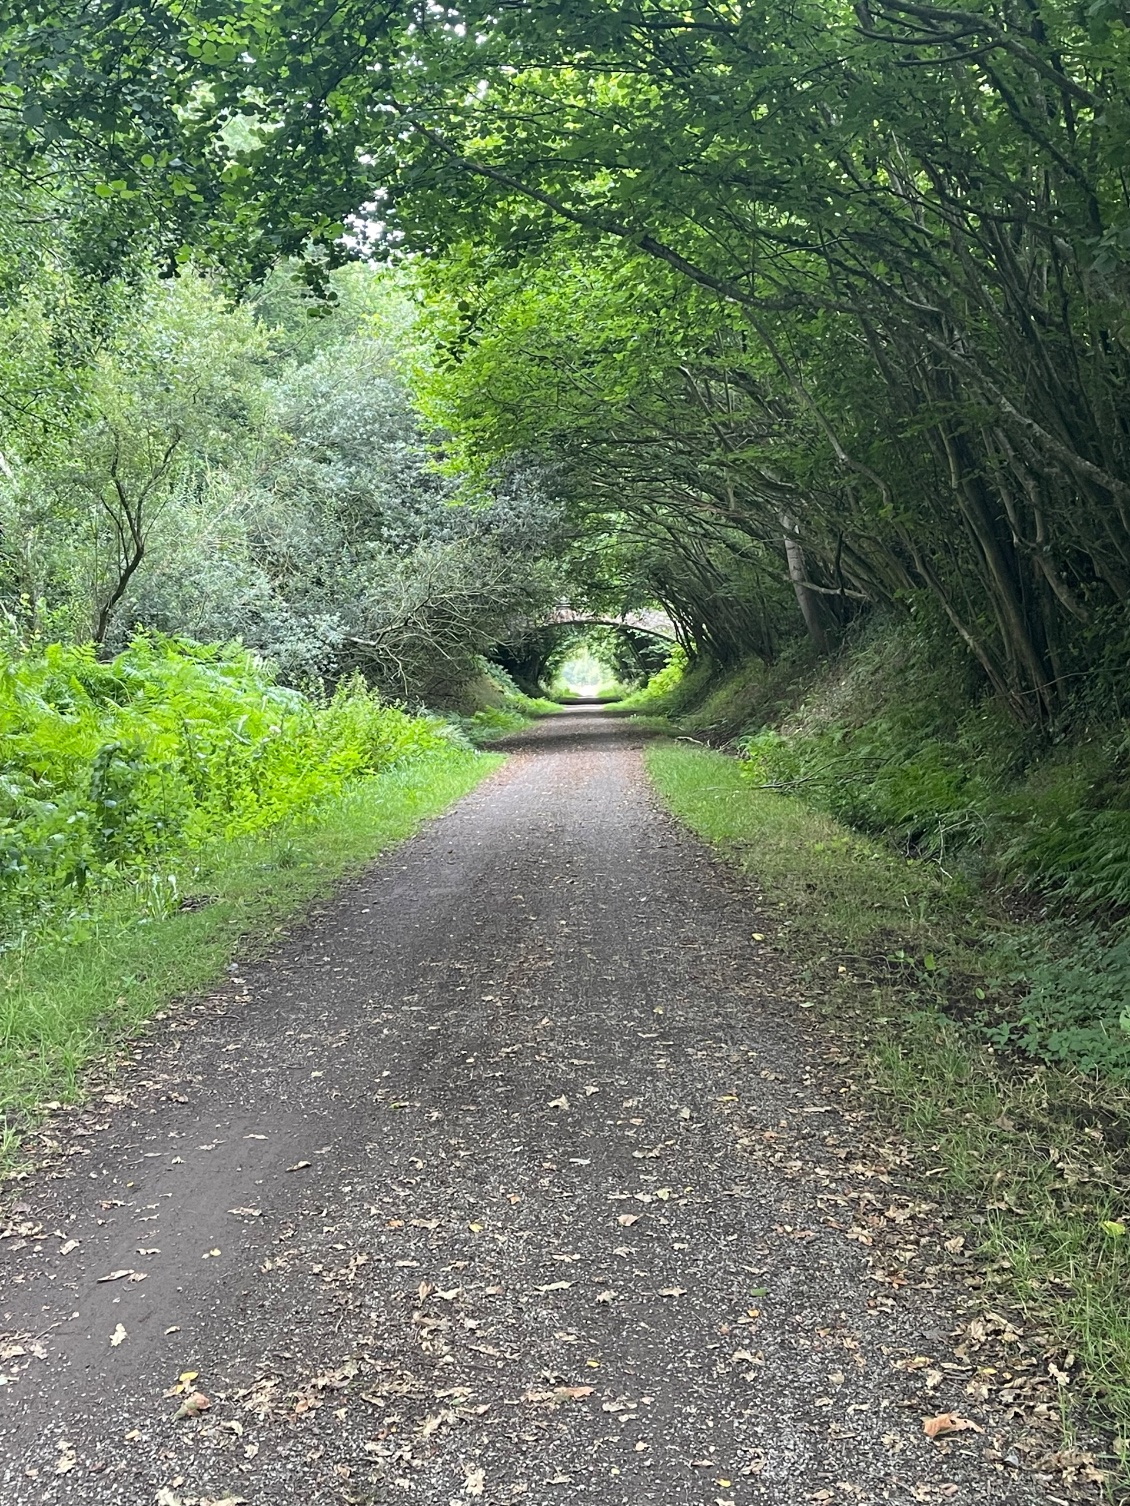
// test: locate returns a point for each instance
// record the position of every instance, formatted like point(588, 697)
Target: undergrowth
point(500, 707)
point(896, 741)
point(113, 771)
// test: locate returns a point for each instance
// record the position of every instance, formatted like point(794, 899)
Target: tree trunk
point(810, 605)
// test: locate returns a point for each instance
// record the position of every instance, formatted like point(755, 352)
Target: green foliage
point(114, 768)
point(665, 680)
point(793, 359)
point(777, 360)
point(1076, 1008)
point(245, 470)
point(628, 434)
point(1077, 852)
point(494, 706)
point(659, 694)
point(888, 742)
point(884, 778)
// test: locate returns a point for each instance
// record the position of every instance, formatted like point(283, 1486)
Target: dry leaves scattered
point(948, 1422)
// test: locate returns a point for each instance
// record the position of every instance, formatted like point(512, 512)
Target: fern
point(111, 768)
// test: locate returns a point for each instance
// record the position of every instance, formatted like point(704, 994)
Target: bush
point(111, 768)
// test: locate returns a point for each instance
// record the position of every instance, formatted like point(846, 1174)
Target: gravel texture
point(514, 1175)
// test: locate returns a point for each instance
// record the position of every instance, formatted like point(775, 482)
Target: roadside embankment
point(982, 1014)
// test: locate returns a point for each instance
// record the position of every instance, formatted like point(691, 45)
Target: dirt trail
point(510, 1177)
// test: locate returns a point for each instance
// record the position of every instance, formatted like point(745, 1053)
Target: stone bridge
point(654, 624)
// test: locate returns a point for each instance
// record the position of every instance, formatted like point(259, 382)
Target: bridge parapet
point(654, 624)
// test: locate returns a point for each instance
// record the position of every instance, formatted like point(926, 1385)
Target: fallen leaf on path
point(192, 1406)
point(299, 1166)
point(554, 1286)
point(473, 1482)
point(559, 1103)
point(71, 1244)
point(608, 1296)
point(210, 1254)
point(116, 1275)
point(184, 1383)
point(672, 1291)
point(119, 1336)
point(247, 1212)
point(947, 1422)
point(628, 1219)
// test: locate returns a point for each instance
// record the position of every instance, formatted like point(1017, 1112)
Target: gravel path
point(513, 1177)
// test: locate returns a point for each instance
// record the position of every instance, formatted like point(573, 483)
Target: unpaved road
point(510, 1178)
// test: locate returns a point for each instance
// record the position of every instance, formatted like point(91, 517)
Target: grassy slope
point(884, 942)
point(492, 706)
point(68, 1001)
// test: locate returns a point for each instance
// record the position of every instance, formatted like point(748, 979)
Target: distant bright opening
point(584, 674)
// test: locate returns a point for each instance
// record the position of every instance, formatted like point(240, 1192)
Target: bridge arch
point(650, 624)
point(644, 641)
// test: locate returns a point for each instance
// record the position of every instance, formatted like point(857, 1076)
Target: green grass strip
point(841, 888)
point(70, 997)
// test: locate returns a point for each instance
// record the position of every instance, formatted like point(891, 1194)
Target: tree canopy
point(825, 294)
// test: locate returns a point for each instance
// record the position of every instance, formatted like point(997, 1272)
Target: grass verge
point(70, 997)
point(892, 950)
point(492, 722)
